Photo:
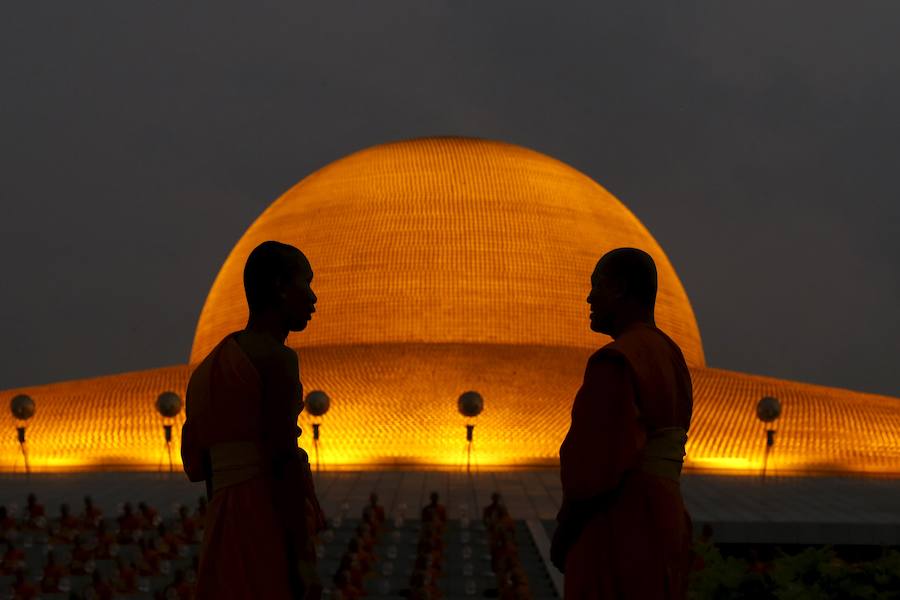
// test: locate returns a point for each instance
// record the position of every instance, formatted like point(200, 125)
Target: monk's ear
point(279, 288)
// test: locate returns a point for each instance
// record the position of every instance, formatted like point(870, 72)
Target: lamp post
point(768, 409)
point(22, 408)
point(317, 404)
point(470, 404)
point(168, 404)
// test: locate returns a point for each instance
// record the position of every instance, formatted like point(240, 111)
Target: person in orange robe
point(82, 557)
point(34, 511)
point(126, 578)
point(106, 542)
point(148, 516)
point(98, 588)
point(92, 514)
point(373, 513)
point(53, 572)
point(22, 588)
point(66, 527)
point(493, 510)
point(435, 513)
point(623, 531)
point(186, 526)
point(12, 560)
point(240, 436)
point(8, 526)
point(129, 525)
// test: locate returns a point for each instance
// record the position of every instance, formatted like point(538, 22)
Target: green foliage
point(720, 578)
point(816, 573)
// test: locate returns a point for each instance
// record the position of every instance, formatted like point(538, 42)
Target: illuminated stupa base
point(394, 405)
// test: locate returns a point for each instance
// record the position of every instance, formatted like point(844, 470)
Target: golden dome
point(448, 241)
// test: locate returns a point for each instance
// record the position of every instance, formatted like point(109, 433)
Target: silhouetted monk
point(240, 436)
point(623, 531)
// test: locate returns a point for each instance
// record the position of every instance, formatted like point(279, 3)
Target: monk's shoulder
point(641, 343)
point(201, 371)
point(266, 354)
point(608, 357)
point(287, 359)
point(648, 350)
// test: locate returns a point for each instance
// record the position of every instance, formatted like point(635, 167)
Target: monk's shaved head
point(270, 266)
point(623, 290)
point(633, 271)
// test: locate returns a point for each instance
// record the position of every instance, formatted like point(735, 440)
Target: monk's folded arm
point(602, 442)
point(191, 453)
point(281, 403)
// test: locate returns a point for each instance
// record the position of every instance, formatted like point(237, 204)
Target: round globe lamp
point(317, 404)
point(768, 409)
point(168, 405)
point(22, 408)
point(470, 404)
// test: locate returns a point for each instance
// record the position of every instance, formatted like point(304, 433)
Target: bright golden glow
point(447, 265)
point(448, 241)
point(395, 405)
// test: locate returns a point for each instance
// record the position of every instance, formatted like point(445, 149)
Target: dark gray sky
point(759, 142)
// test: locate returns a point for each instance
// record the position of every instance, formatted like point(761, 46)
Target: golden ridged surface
point(395, 404)
point(448, 240)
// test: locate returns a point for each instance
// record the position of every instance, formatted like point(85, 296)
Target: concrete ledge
point(542, 541)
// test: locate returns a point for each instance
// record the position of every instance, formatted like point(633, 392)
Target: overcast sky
point(758, 141)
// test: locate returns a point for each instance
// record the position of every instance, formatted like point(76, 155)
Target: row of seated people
point(356, 565)
point(157, 544)
point(123, 580)
point(149, 543)
point(358, 561)
point(130, 524)
point(423, 581)
point(512, 582)
point(154, 549)
point(153, 556)
point(35, 519)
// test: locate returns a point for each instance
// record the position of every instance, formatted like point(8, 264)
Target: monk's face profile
point(298, 298)
point(623, 290)
point(605, 300)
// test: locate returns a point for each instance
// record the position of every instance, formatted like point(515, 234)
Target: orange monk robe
point(24, 589)
point(127, 579)
point(81, 554)
point(255, 530)
point(12, 560)
point(52, 574)
point(637, 545)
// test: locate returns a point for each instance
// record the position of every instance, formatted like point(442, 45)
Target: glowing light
point(391, 408)
point(447, 265)
point(726, 463)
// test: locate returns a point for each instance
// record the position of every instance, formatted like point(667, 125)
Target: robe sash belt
point(233, 463)
point(664, 453)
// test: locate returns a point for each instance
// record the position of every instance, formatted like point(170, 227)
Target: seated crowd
point(358, 560)
point(88, 556)
point(512, 582)
point(429, 552)
point(134, 546)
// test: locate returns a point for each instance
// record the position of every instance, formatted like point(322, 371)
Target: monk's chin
point(299, 326)
point(599, 328)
